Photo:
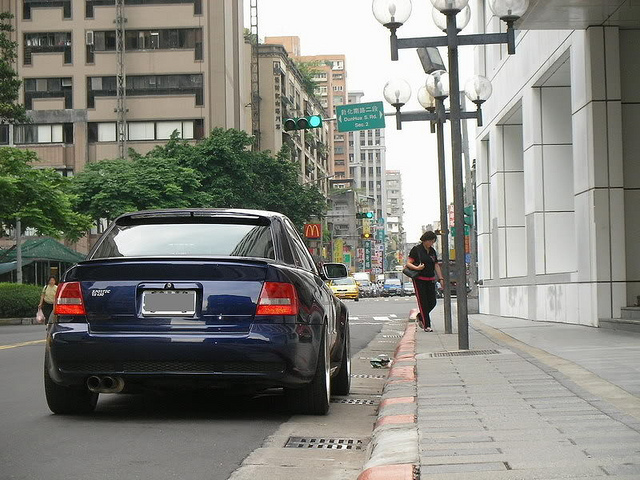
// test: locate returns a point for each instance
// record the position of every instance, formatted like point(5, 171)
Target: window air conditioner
point(88, 37)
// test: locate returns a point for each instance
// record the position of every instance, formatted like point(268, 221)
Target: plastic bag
point(40, 316)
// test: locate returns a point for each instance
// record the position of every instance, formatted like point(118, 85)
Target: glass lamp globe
point(391, 12)
point(509, 9)
point(462, 18)
point(437, 84)
point(478, 89)
point(397, 92)
point(449, 5)
point(426, 99)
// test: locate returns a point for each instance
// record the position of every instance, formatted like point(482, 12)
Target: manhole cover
point(327, 443)
point(353, 401)
point(464, 353)
point(361, 375)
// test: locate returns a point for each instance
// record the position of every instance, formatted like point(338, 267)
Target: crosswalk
point(372, 319)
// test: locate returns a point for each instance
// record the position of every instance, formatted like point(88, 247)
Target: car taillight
point(69, 300)
point(277, 299)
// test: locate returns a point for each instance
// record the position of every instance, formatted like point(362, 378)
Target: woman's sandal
point(428, 329)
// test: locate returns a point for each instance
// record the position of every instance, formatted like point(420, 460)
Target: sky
point(348, 27)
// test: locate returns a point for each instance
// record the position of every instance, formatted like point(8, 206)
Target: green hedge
point(17, 301)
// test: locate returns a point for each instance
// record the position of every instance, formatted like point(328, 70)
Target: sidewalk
point(529, 400)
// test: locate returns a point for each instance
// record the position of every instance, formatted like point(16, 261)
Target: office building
point(558, 181)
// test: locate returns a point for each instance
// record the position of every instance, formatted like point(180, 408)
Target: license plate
point(169, 302)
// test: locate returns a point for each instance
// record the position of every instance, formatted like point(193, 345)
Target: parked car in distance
point(408, 288)
point(345, 288)
point(391, 287)
point(193, 299)
point(366, 288)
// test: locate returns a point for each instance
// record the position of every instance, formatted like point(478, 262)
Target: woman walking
point(48, 296)
point(424, 259)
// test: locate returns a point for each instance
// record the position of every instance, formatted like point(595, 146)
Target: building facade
point(330, 77)
point(394, 228)
point(184, 67)
point(282, 96)
point(558, 179)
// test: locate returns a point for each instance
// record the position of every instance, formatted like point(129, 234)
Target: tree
point(221, 171)
point(307, 71)
point(38, 197)
point(109, 188)
point(10, 111)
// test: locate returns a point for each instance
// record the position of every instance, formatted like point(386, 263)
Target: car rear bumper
point(269, 355)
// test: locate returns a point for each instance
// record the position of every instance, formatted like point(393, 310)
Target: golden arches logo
point(312, 230)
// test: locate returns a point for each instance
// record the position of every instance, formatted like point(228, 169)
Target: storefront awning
point(11, 266)
point(42, 249)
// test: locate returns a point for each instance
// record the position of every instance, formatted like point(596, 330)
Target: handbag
point(40, 316)
point(412, 273)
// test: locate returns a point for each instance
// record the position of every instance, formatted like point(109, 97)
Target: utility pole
point(121, 81)
point(255, 75)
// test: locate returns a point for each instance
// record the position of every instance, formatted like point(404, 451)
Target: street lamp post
point(392, 14)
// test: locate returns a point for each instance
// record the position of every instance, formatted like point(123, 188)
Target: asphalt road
point(138, 436)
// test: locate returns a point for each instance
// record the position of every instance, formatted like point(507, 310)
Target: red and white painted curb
point(393, 452)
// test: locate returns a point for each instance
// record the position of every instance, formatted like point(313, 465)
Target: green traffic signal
point(368, 215)
point(302, 123)
point(468, 215)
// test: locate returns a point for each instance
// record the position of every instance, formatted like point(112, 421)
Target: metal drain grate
point(353, 401)
point(327, 443)
point(464, 353)
point(391, 336)
point(361, 375)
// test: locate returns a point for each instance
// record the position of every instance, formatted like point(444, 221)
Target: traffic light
point(468, 215)
point(301, 123)
point(367, 236)
point(364, 215)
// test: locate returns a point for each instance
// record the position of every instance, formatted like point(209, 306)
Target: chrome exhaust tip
point(93, 383)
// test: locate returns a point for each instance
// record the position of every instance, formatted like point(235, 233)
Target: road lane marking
point(22, 344)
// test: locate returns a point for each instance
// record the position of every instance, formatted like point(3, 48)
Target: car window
point(300, 252)
point(177, 238)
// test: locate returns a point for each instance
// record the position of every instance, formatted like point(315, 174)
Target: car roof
point(204, 212)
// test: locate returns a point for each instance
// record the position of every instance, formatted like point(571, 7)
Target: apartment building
point(331, 88)
point(183, 61)
point(282, 96)
point(396, 237)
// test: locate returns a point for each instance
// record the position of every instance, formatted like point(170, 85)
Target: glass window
point(188, 237)
point(166, 129)
point(187, 130)
point(106, 132)
point(141, 131)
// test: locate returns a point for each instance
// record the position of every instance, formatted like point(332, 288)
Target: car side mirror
point(335, 270)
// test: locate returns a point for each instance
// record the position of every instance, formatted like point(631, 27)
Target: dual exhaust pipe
point(106, 384)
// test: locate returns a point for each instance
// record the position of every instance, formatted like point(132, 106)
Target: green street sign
point(360, 116)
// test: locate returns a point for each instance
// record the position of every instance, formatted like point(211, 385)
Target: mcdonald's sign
point(312, 230)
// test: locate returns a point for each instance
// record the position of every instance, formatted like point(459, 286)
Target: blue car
point(191, 299)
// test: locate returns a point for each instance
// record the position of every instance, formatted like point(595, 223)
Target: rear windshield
point(187, 239)
point(344, 281)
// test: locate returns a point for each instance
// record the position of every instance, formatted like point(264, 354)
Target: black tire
point(357, 299)
point(68, 400)
point(313, 398)
point(341, 383)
